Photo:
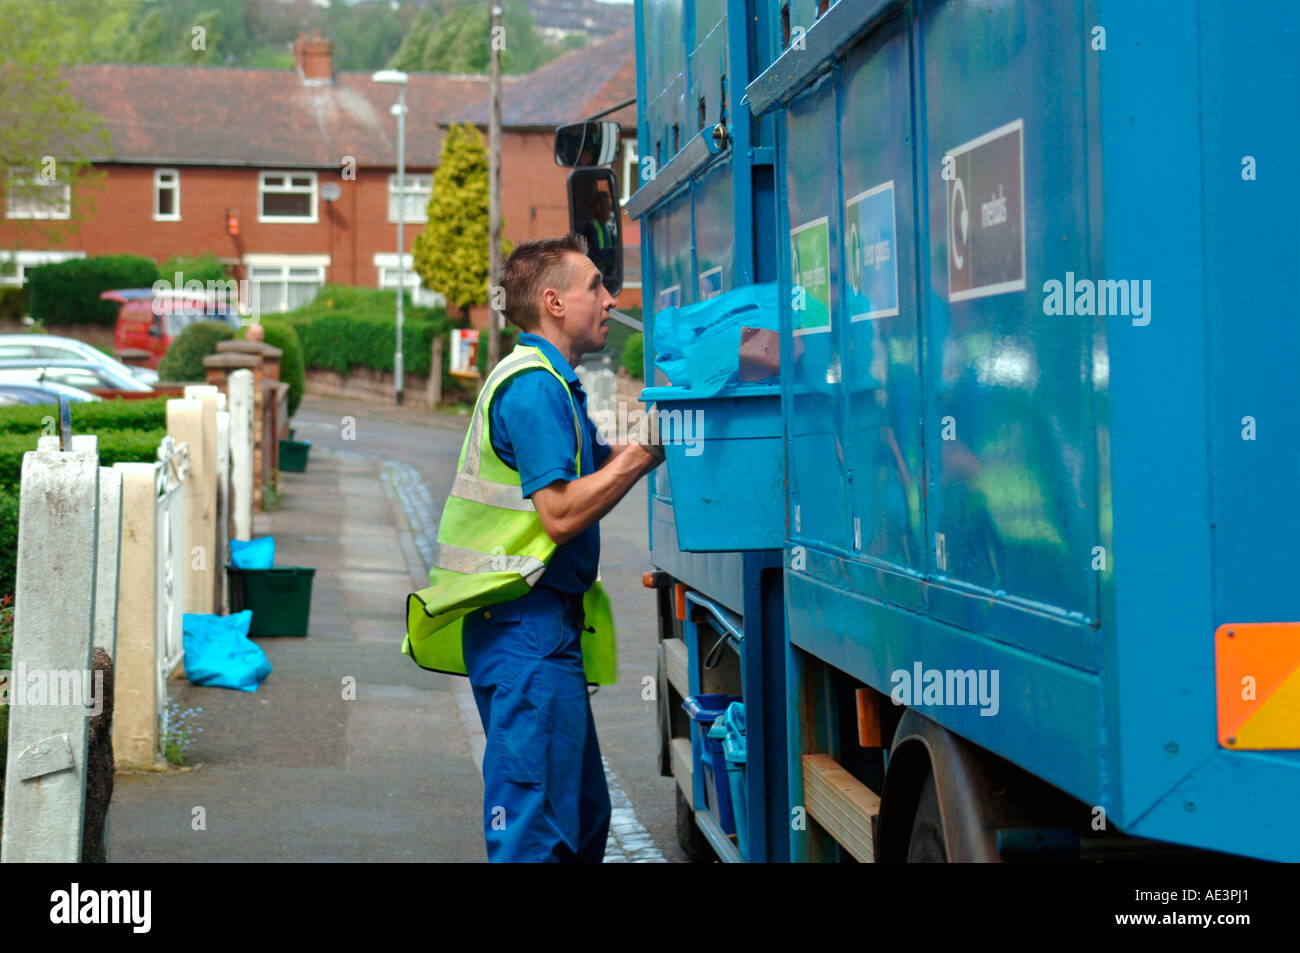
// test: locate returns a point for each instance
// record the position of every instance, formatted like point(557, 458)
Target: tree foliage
point(451, 254)
point(47, 137)
point(454, 37)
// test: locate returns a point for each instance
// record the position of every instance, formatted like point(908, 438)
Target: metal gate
point(171, 477)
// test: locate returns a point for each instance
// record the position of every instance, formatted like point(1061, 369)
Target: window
point(287, 197)
point(14, 265)
point(166, 195)
point(419, 188)
point(421, 297)
point(285, 282)
point(29, 196)
point(631, 171)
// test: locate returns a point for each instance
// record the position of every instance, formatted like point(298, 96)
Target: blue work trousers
point(544, 791)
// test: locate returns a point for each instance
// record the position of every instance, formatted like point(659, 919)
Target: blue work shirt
point(532, 433)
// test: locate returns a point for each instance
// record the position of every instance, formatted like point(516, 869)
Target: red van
point(146, 326)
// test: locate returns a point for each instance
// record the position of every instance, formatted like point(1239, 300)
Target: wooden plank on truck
point(684, 768)
point(677, 665)
point(841, 804)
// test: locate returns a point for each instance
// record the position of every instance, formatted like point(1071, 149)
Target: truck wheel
point(694, 844)
point(927, 844)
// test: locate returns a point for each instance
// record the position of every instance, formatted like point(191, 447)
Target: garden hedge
point(183, 361)
point(89, 417)
point(67, 292)
point(293, 370)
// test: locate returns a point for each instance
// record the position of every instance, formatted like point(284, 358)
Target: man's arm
point(567, 507)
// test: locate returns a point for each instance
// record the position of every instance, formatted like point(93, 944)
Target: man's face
point(603, 205)
point(586, 305)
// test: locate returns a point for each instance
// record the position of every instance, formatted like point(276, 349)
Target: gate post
point(54, 607)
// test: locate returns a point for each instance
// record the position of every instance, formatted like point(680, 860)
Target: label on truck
point(872, 255)
point(986, 213)
point(810, 268)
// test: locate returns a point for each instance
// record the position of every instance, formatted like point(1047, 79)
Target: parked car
point(54, 347)
point(149, 322)
point(13, 395)
point(87, 375)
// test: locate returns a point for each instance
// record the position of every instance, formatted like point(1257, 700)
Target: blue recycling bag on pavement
point(219, 653)
point(253, 553)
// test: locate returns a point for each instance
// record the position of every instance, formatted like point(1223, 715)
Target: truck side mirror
point(594, 213)
point(587, 144)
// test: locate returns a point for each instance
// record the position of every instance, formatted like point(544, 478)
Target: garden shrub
point(67, 292)
point(184, 358)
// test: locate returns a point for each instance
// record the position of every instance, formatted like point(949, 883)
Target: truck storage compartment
point(725, 459)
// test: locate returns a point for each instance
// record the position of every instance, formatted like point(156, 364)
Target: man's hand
point(646, 434)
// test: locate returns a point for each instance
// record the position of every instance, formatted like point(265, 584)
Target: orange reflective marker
point(679, 598)
point(1257, 682)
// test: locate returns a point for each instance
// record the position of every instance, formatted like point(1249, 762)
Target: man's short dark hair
point(533, 267)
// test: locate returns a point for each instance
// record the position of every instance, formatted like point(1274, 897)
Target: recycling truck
point(973, 332)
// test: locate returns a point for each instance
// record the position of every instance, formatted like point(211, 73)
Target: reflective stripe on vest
point(492, 546)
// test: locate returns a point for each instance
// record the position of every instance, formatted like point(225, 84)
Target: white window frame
point(175, 186)
point(288, 174)
point(392, 196)
point(421, 297)
point(22, 260)
point(631, 170)
point(283, 263)
point(61, 213)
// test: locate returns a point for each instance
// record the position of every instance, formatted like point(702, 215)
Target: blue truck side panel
point(985, 470)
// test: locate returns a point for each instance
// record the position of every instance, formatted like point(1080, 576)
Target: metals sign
point(986, 214)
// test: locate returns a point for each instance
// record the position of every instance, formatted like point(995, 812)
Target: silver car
point(87, 375)
point(56, 348)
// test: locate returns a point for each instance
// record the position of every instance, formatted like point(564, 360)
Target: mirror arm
point(627, 319)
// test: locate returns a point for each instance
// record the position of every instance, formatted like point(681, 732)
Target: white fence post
point(223, 504)
point(193, 421)
point(45, 780)
point(110, 540)
point(151, 598)
point(240, 384)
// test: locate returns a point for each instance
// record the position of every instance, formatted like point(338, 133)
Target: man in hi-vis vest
point(513, 599)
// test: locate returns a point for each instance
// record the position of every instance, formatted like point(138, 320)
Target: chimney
point(311, 55)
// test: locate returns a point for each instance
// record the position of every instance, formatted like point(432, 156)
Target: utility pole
point(494, 189)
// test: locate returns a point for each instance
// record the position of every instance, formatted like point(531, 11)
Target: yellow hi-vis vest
point(492, 546)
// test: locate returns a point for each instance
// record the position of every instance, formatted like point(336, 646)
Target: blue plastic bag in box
point(219, 653)
point(256, 553)
point(698, 345)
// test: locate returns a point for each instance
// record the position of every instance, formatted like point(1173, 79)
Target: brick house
point(288, 176)
point(574, 87)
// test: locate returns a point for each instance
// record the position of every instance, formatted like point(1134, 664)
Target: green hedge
point(339, 343)
point(283, 334)
point(13, 304)
point(8, 554)
point(634, 356)
point(184, 358)
point(67, 292)
point(89, 417)
point(115, 446)
point(206, 267)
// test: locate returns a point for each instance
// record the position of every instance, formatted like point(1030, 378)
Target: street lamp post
point(398, 79)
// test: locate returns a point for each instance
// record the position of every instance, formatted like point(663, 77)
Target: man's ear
point(552, 304)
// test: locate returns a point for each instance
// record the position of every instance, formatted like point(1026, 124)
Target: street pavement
point(306, 769)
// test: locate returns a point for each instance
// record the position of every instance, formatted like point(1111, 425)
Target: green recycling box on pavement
point(280, 598)
point(293, 455)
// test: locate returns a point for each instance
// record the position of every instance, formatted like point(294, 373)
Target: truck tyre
point(927, 844)
point(694, 844)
